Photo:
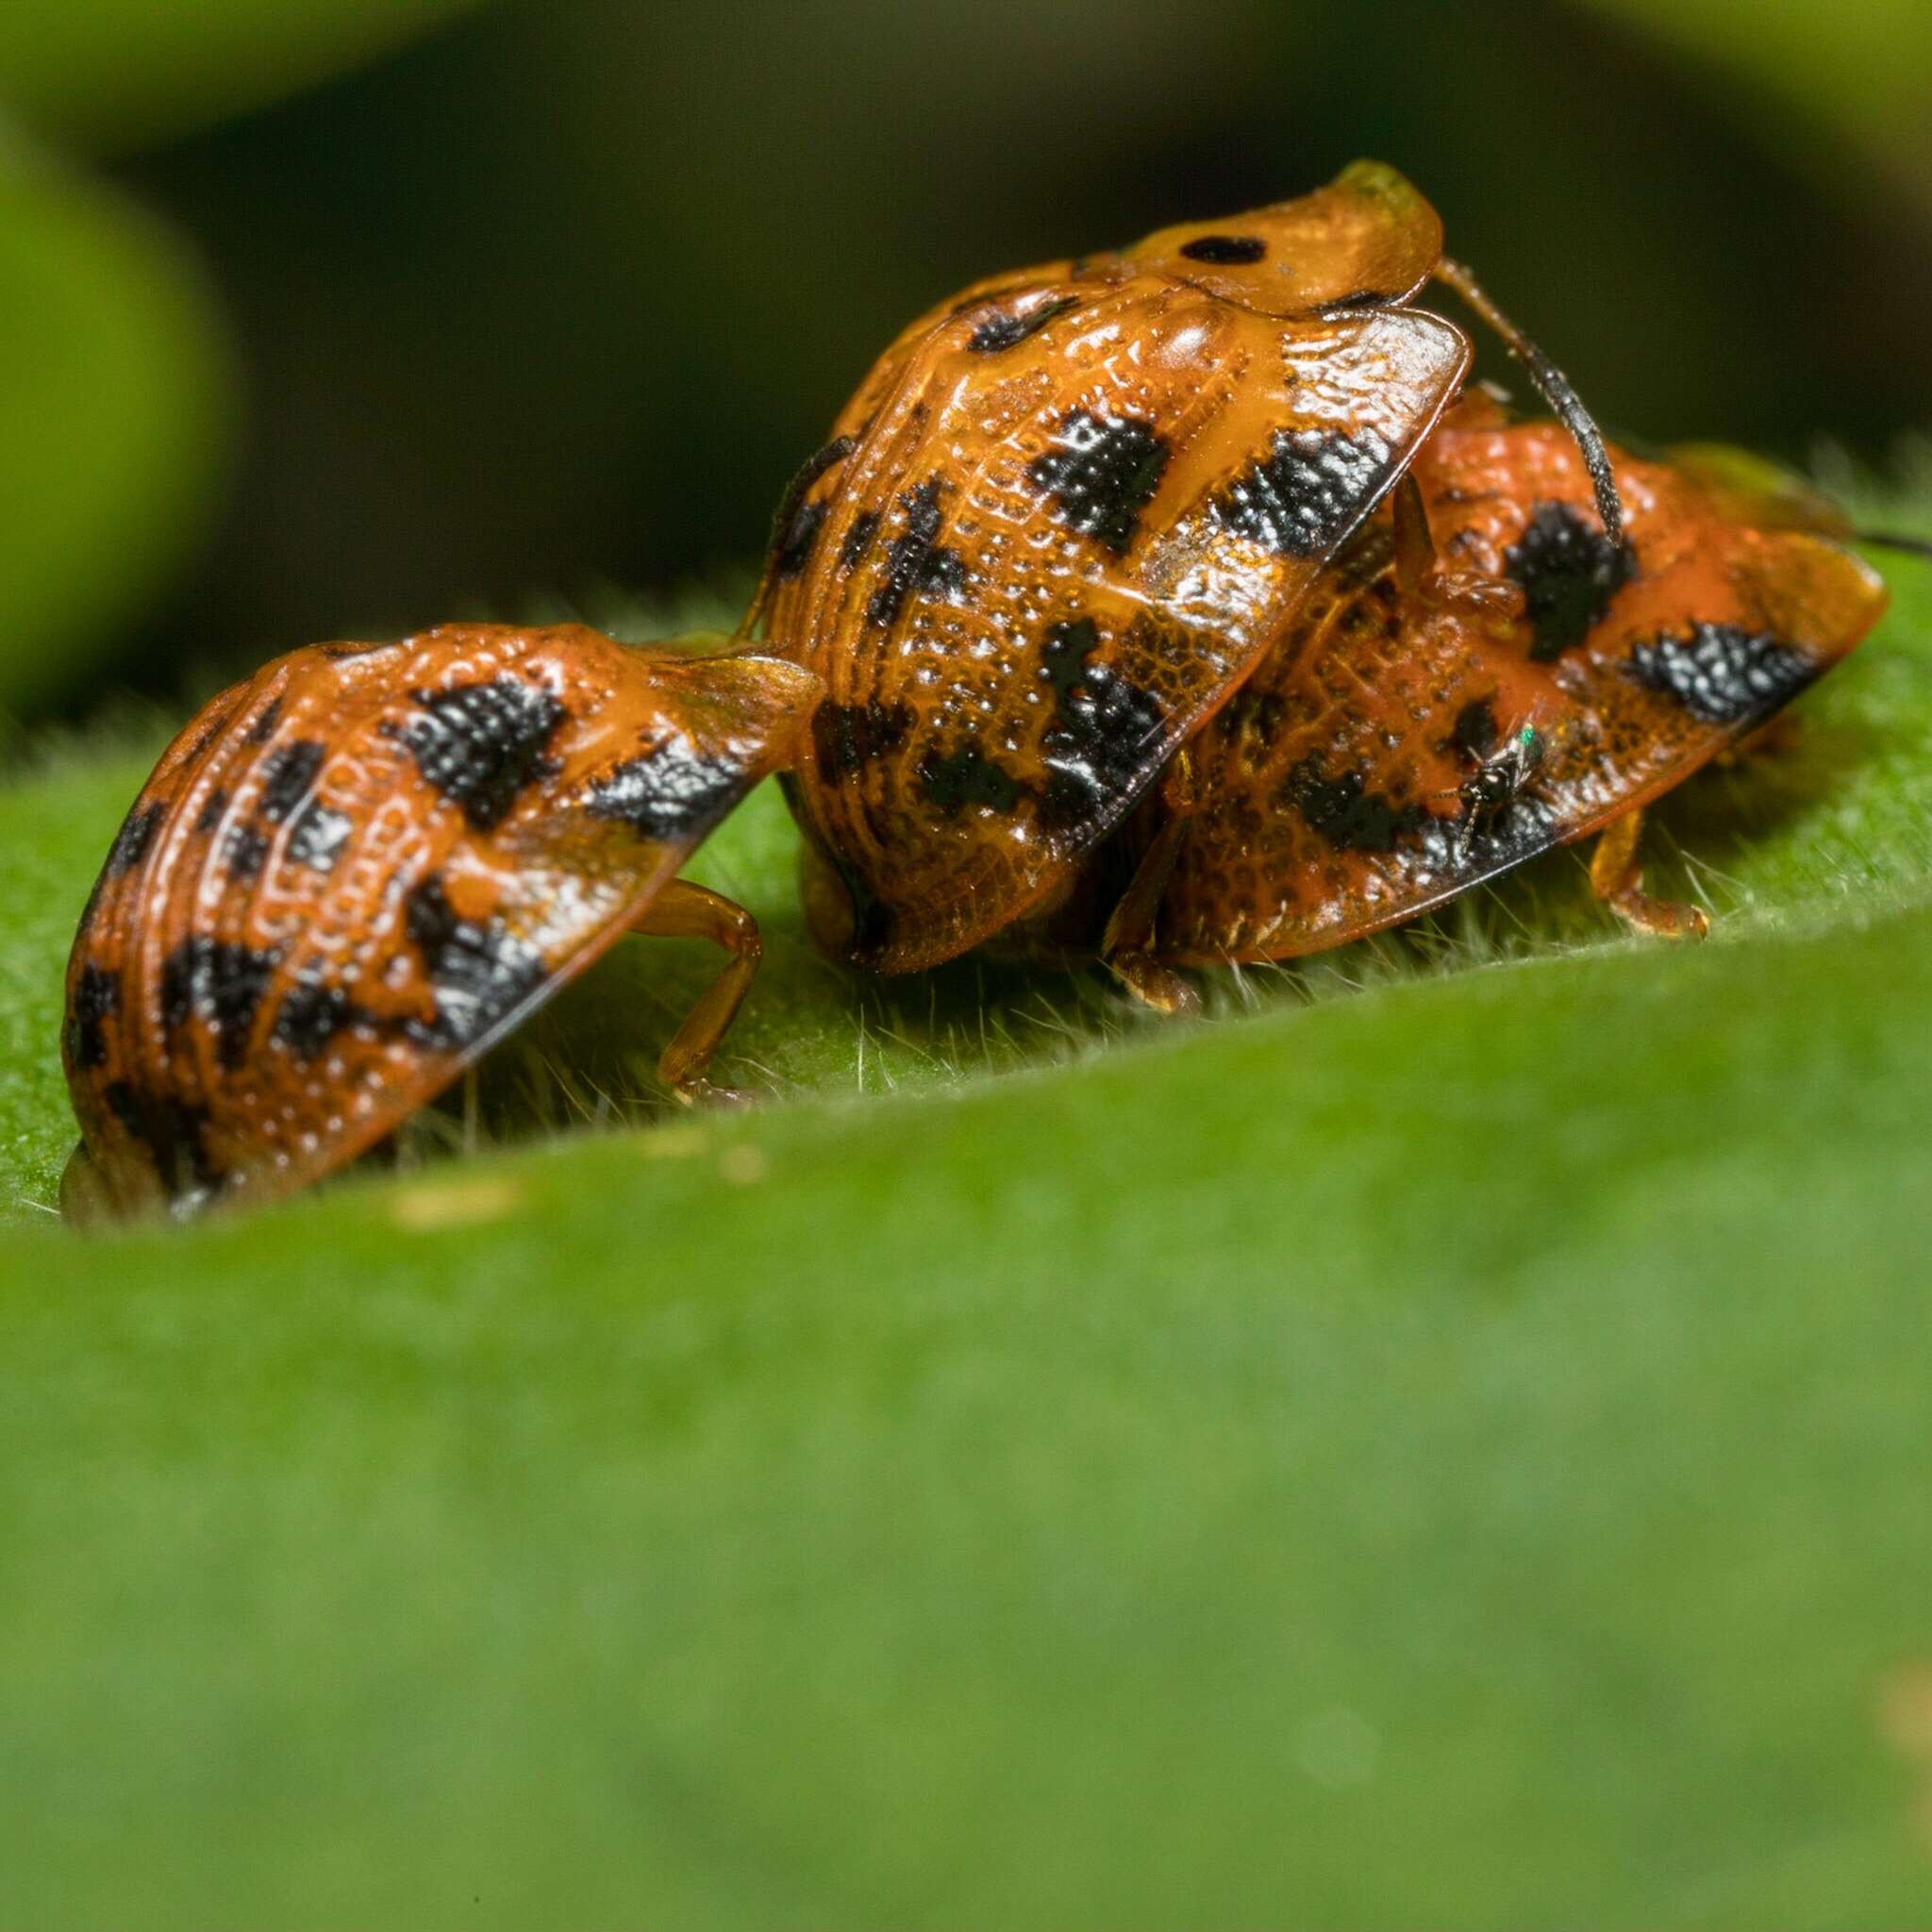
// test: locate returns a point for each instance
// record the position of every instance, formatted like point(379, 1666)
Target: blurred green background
point(333, 318)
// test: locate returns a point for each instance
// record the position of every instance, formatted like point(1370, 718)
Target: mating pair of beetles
point(1174, 606)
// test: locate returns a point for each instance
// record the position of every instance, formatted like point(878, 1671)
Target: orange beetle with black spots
point(350, 875)
point(1175, 606)
point(1170, 606)
point(1481, 677)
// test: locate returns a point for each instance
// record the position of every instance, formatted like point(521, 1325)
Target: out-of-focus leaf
point(111, 73)
point(1859, 69)
point(115, 398)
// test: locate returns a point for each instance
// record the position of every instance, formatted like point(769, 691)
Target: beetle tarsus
point(1152, 984)
point(1616, 876)
point(685, 911)
point(1128, 945)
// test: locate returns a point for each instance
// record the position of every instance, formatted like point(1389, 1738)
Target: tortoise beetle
point(350, 875)
point(1376, 763)
point(1172, 605)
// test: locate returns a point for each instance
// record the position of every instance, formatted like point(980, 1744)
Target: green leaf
point(1857, 70)
point(114, 417)
point(1447, 1446)
point(110, 74)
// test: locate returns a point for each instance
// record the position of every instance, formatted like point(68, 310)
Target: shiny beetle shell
point(1063, 518)
point(351, 874)
point(1143, 514)
point(1335, 793)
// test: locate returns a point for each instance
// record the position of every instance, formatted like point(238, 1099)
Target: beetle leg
point(1415, 548)
point(1431, 584)
point(1616, 876)
point(685, 911)
point(1128, 945)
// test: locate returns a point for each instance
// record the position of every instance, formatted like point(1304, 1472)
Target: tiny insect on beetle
point(1499, 779)
point(1178, 606)
point(350, 875)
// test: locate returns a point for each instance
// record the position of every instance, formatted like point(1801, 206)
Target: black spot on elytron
point(212, 806)
point(1345, 813)
point(311, 1016)
point(915, 560)
point(97, 999)
point(943, 574)
point(1102, 731)
point(1721, 672)
point(123, 1103)
point(481, 973)
point(795, 542)
point(131, 842)
point(1005, 328)
point(245, 852)
point(1485, 839)
point(1064, 653)
point(348, 648)
point(220, 983)
point(1102, 473)
point(846, 738)
point(1475, 732)
point(672, 792)
point(264, 725)
point(181, 1153)
point(865, 526)
point(318, 836)
point(287, 774)
point(966, 777)
point(480, 744)
point(1309, 492)
point(175, 1134)
point(1224, 248)
point(1567, 571)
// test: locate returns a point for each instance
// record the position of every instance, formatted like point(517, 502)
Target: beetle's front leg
point(685, 911)
point(1616, 876)
point(1127, 945)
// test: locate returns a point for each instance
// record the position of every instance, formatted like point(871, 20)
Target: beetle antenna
point(1891, 539)
point(1556, 391)
point(786, 518)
